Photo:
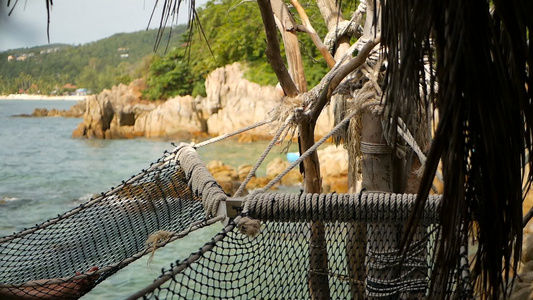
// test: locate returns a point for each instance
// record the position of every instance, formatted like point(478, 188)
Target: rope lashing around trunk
point(351, 28)
point(317, 144)
point(375, 148)
point(312, 149)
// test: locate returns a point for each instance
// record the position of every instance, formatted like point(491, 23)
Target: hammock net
point(356, 259)
point(109, 231)
point(294, 246)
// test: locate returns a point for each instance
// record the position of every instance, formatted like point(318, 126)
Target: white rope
point(225, 136)
point(410, 140)
point(263, 156)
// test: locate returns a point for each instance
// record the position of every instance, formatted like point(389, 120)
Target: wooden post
point(318, 256)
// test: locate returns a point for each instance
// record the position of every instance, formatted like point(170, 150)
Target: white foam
point(8, 198)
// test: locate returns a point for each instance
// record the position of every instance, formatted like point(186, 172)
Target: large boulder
point(278, 166)
point(97, 118)
point(120, 113)
point(175, 117)
point(233, 102)
point(225, 175)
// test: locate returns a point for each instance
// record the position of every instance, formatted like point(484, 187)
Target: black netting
point(107, 232)
point(309, 245)
point(299, 252)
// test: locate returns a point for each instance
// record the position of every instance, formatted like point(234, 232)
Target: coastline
point(41, 97)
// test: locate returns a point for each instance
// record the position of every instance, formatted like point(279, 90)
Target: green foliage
point(169, 76)
point(233, 33)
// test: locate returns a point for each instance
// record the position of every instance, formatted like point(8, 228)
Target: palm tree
point(479, 79)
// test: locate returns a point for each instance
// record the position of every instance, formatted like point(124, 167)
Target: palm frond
point(481, 66)
point(49, 4)
point(169, 16)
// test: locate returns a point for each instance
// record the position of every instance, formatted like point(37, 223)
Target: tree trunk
point(318, 258)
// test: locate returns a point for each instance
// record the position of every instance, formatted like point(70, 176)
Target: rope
point(227, 135)
point(345, 28)
point(410, 140)
point(262, 158)
point(374, 148)
point(317, 144)
point(201, 182)
point(369, 207)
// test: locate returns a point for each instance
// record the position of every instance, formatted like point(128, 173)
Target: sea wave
point(8, 199)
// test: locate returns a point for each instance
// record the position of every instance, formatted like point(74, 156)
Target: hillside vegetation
point(94, 66)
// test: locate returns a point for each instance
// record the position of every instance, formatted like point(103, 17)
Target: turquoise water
point(44, 172)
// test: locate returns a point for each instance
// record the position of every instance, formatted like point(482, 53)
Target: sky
point(76, 21)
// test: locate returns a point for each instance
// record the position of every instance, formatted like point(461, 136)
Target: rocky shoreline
point(232, 103)
point(333, 169)
point(75, 111)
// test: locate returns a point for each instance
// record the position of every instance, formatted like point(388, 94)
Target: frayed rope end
point(156, 238)
point(249, 227)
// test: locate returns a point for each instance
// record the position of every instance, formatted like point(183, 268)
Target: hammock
point(274, 254)
point(110, 231)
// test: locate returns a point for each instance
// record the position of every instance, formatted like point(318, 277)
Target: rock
point(172, 117)
point(40, 112)
point(521, 291)
point(233, 102)
point(277, 166)
point(247, 138)
point(257, 183)
point(97, 118)
point(120, 113)
point(243, 170)
point(76, 111)
point(225, 175)
point(334, 169)
point(527, 248)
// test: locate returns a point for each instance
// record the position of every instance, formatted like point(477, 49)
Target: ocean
point(45, 172)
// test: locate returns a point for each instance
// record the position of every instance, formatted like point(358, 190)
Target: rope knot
point(155, 239)
point(249, 227)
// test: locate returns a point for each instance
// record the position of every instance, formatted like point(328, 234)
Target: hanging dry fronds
point(481, 62)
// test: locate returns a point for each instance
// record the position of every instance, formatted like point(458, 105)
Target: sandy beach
point(41, 97)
